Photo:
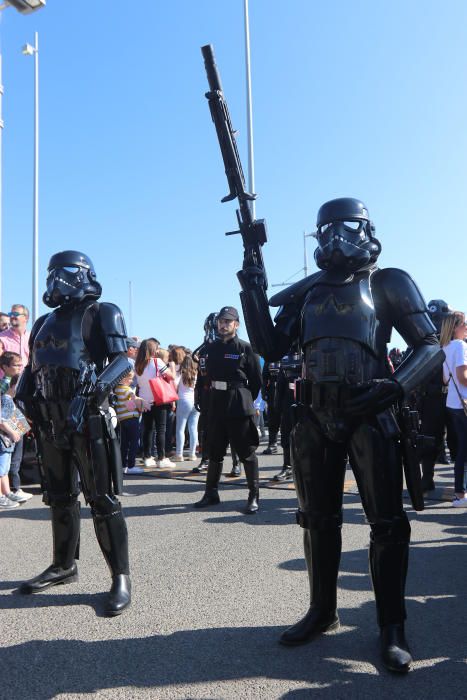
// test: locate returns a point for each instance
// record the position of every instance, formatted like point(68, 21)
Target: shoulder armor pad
point(295, 291)
point(113, 327)
point(400, 291)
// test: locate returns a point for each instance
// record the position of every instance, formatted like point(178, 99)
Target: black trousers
point(155, 419)
point(319, 471)
point(241, 433)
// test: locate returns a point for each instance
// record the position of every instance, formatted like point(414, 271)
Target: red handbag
point(163, 390)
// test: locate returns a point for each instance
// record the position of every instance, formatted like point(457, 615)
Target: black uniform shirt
point(234, 362)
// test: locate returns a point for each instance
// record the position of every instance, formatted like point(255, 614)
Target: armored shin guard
point(112, 535)
point(65, 531)
point(322, 555)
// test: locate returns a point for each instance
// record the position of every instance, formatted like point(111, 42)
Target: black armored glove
point(251, 275)
point(382, 394)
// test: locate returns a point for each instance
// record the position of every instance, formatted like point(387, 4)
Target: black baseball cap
point(229, 312)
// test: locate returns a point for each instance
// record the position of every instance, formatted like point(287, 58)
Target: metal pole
point(305, 258)
point(249, 112)
point(35, 246)
point(130, 302)
point(1, 176)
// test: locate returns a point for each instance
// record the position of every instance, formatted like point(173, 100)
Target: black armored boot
point(211, 494)
point(112, 535)
point(252, 479)
point(322, 556)
point(388, 568)
point(65, 531)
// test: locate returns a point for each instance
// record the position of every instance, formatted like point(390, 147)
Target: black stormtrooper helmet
point(71, 278)
point(210, 328)
point(345, 236)
point(438, 310)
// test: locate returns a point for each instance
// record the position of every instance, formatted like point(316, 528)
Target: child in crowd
point(7, 499)
point(128, 408)
point(11, 365)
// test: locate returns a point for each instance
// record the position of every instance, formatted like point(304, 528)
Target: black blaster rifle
point(94, 387)
point(413, 445)
point(253, 231)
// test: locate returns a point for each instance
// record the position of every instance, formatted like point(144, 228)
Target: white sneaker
point(19, 496)
point(177, 458)
point(460, 502)
point(191, 457)
point(149, 462)
point(7, 504)
point(165, 463)
point(134, 470)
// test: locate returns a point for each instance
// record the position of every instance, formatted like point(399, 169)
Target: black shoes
point(270, 450)
point(236, 470)
point(395, 651)
point(201, 468)
point(210, 498)
point(252, 503)
point(315, 622)
point(119, 596)
point(284, 475)
point(52, 576)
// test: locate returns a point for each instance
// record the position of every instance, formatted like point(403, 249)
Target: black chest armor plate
point(59, 341)
point(343, 331)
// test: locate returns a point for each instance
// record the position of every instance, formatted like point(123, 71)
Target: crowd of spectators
point(166, 434)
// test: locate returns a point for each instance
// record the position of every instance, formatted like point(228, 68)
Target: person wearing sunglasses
point(16, 337)
point(4, 321)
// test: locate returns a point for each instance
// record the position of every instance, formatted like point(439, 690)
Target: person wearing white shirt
point(452, 340)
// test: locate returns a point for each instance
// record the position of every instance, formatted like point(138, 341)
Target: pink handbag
point(163, 390)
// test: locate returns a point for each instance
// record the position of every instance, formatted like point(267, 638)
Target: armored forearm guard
point(110, 376)
point(422, 362)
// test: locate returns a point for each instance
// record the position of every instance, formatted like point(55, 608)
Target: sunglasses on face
point(15, 314)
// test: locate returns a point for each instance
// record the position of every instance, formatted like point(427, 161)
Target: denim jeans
point(459, 420)
point(129, 435)
point(186, 414)
point(16, 459)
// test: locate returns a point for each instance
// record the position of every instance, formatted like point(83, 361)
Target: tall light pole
point(25, 7)
point(249, 112)
point(29, 50)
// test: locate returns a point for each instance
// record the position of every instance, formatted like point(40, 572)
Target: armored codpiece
point(252, 277)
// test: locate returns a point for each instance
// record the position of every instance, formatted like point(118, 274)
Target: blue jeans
point(459, 420)
point(186, 414)
point(16, 459)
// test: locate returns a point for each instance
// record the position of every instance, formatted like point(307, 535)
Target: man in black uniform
point(268, 390)
point(62, 389)
point(290, 371)
point(343, 316)
point(234, 373)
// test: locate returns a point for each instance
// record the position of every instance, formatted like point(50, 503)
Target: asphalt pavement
point(213, 590)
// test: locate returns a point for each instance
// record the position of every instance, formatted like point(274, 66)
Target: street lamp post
point(25, 7)
point(249, 112)
point(29, 50)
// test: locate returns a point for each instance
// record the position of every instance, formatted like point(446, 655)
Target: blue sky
point(353, 98)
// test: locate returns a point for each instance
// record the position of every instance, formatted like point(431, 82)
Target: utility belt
point(326, 395)
point(225, 386)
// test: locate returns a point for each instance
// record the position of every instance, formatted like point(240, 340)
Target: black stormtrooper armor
point(79, 338)
point(435, 419)
point(342, 317)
